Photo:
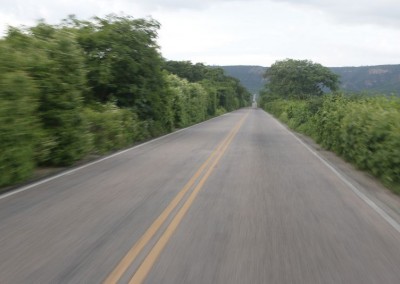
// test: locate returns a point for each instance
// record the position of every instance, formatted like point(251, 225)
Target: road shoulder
point(363, 181)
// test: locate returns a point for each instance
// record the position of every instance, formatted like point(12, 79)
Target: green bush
point(327, 122)
point(111, 128)
point(55, 62)
point(370, 137)
point(18, 127)
point(197, 103)
point(190, 101)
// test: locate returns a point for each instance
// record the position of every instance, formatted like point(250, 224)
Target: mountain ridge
point(383, 79)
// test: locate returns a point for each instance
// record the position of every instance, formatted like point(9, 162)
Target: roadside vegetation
point(362, 129)
point(91, 87)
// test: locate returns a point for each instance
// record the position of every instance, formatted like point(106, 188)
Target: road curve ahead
point(237, 199)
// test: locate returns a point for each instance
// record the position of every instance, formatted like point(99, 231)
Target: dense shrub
point(18, 127)
point(370, 136)
point(111, 128)
point(190, 101)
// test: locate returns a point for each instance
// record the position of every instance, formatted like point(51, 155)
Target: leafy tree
point(189, 101)
point(178, 87)
point(18, 126)
point(197, 103)
point(299, 79)
point(224, 92)
point(125, 66)
point(212, 104)
point(188, 70)
point(57, 65)
point(123, 61)
point(111, 127)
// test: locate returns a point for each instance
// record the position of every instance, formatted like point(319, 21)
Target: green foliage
point(212, 102)
point(223, 91)
point(96, 86)
point(111, 128)
point(55, 63)
point(189, 102)
point(197, 103)
point(364, 130)
point(186, 69)
point(124, 65)
point(328, 122)
point(372, 127)
point(18, 126)
point(299, 79)
point(61, 77)
point(179, 87)
point(123, 61)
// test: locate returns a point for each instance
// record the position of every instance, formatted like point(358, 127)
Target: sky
point(333, 33)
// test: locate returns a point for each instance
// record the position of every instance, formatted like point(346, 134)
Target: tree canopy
point(300, 79)
point(224, 91)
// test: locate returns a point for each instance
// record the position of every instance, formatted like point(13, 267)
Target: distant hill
point(375, 79)
point(383, 79)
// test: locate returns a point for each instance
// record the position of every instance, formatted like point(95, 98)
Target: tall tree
point(224, 92)
point(299, 79)
point(125, 66)
point(124, 61)
point(188, 70)
point(18, 125)
point(56, 63)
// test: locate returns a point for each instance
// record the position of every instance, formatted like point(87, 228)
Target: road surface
point(237, 199)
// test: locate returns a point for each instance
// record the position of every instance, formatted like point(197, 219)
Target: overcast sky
point(227, 32)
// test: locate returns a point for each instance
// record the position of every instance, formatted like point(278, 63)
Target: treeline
point(364, 130)
point(84, 87)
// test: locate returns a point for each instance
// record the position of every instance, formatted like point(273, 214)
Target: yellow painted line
point(143, 270)
point(128, 259)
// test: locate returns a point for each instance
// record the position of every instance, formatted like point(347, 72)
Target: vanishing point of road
point(236, 199)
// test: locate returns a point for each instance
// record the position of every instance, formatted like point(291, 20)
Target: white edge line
point(361, 195)
point(29, 186)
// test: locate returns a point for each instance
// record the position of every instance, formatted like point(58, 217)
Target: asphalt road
point(237, 199)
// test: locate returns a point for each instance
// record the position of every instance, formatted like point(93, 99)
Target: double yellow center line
point(207, 167)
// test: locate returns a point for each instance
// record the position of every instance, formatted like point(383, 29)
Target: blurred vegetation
point(90, 87)
point(364, 130)
point(224, 92)
point(20, 131)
